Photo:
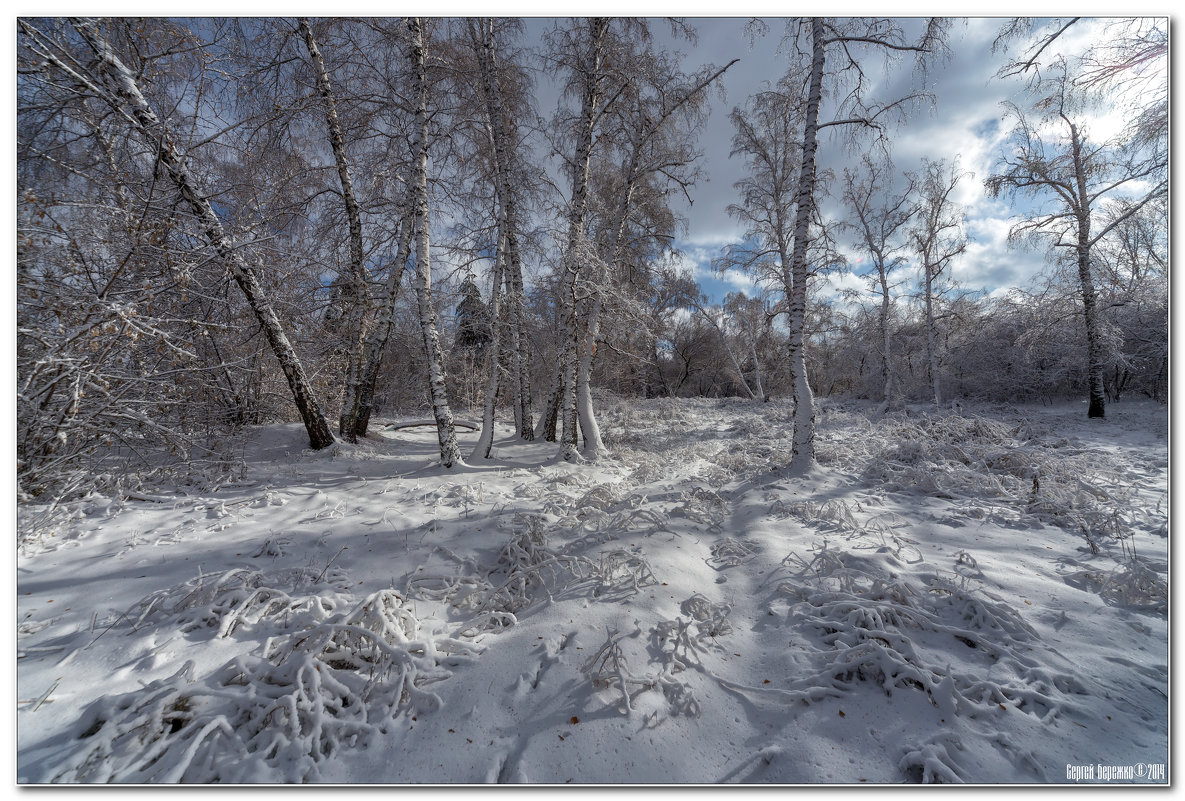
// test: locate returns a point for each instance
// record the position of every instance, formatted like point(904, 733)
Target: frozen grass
point(925, 607)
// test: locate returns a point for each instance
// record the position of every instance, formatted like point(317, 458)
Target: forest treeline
point(230, 222)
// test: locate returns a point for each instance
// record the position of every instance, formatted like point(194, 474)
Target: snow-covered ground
point(976, 597)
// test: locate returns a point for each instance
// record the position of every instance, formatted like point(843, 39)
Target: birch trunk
point(551, 409)
point(802, 458)
point(520, 343)
point(594, 446)
point(136, 109)
point(486, 439)
point(931, 346)
point(359, 296)
point(576, 245)
point(501, 141)
point(1094, 345)
point(450, 451)
point(376, 344)
point(886, 341)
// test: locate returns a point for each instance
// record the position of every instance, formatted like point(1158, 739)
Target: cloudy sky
point(965, 124)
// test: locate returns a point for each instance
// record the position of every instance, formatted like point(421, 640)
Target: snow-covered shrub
point(228, 599)
point(309, 694)
point(973, 458)
point(941, 640)
point(711, 617)
point(931, 762)
point(731, 552)
point(832, 514)
point(1133, 584)
point(704, 506)
point(608, 668)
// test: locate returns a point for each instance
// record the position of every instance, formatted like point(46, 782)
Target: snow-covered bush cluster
point(915, 605)
point(322, 681)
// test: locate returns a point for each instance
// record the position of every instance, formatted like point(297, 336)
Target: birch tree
point(879, 216)
point(1073, 180)
point(814, 39)
point(116, 85)
point(120, 349)
point(502, 86)
point(450, 452)
point(938, 238)
point(380, 60)
point(359, 294)
point(581, 51)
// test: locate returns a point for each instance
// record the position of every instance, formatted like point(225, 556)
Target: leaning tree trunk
point(359, 296)
point(802, 457)
point(450, 451)
point(136, 109)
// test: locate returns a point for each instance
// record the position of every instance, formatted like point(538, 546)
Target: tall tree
point(1072, 180)
point(814, 38)
point(116, 85)
point(450, 451)
point(359, 295)
point(502, 85)
point(581, 51)
point(938, 239)
point(879, 216)
point(657, 115)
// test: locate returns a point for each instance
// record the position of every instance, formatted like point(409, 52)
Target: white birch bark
point(376, 344)
point(486, 439)
point(501, 141)
point(802, 458)
point(450, 452)
point(126, 98)
point(575, 252)
point(359, 296)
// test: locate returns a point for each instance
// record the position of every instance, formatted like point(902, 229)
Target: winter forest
point(594, 400)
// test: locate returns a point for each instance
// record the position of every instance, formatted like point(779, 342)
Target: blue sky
point(965, 123)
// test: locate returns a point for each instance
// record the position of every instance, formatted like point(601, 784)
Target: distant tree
point(473, 318)
point(1073, 180)
point(879, 217)
point(938, 238)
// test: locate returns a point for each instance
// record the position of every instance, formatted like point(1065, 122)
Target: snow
point(977, 597)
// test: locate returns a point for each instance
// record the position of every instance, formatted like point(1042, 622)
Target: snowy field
point(977, 597)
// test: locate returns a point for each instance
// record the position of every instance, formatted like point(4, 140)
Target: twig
point(329, 564)
point(45, 698)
